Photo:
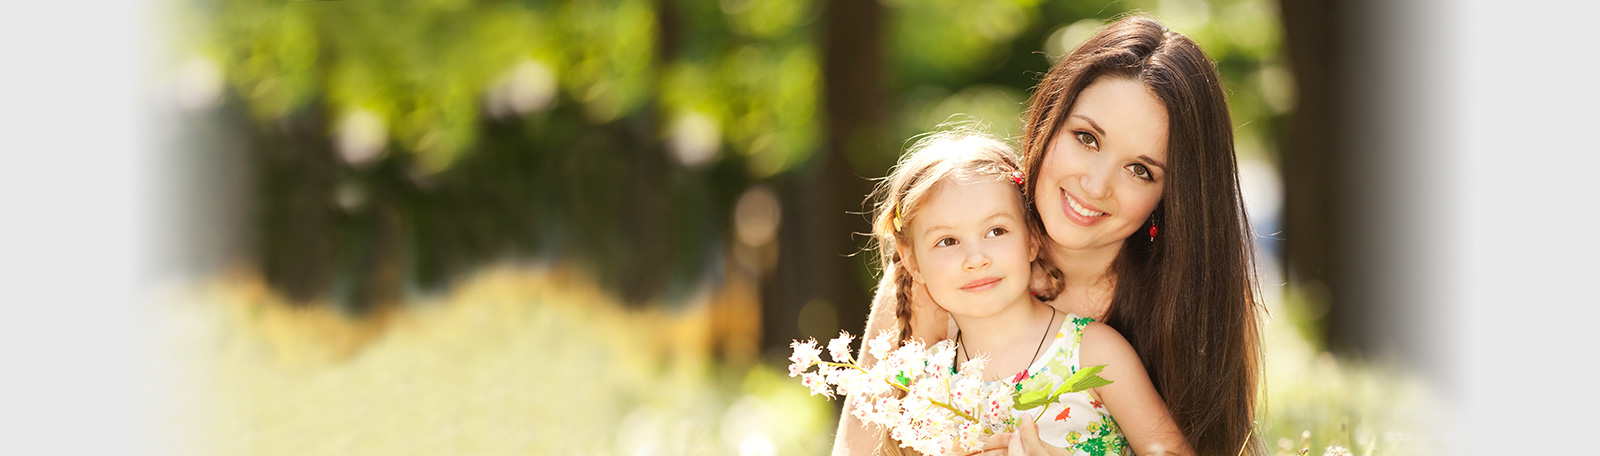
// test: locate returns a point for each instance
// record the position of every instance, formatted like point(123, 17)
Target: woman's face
point(970, 246)
point(1103, 173)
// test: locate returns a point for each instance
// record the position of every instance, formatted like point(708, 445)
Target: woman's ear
point(909, 261)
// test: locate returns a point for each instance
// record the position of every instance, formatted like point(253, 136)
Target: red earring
point(1153, 227)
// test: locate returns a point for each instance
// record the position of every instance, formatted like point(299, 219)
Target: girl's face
point(970, 246)
point(1103, 173)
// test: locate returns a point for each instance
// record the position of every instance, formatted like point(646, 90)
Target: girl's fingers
point(1029, 440)
point(1014, 447)
point(994, 442)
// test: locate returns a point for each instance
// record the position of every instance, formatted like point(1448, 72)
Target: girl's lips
point(983, 284)
point(1066, 208)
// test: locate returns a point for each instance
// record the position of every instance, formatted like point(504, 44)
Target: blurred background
point(528, 227)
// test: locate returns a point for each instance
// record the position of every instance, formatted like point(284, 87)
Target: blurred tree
point(1348, 161)
point(395, 147)
point(816, 267)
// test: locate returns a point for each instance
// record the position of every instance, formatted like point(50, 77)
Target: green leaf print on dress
point(1057, 395)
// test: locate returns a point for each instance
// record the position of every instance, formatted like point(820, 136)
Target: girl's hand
point(1024, 442)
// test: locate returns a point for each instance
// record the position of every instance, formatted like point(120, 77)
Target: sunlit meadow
point(538, 360)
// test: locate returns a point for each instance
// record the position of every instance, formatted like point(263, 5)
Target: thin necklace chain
point(963, 350)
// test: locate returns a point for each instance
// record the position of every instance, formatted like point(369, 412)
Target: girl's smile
point(970, 246)
point(981, 285)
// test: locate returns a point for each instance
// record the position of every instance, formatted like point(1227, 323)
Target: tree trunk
point(818, 263)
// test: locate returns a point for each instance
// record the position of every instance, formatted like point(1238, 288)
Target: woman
point(1128, 150)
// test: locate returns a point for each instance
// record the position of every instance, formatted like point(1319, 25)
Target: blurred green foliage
point(388, 149)
point(393, 147)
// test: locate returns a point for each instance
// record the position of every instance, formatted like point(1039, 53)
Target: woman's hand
point(929, 322)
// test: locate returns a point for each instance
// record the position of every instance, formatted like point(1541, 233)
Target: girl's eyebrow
point(985, 219)
point(1093, 124)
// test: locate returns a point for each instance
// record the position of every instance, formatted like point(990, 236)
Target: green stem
point(1252, 431)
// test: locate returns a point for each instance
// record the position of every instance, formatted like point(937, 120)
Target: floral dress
point(1077, 421)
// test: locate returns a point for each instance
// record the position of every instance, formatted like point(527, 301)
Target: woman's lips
point(1079, 212)
point(983, 284)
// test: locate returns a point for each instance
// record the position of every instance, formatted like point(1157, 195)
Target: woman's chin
point(1076, 238)
point(1071, 238)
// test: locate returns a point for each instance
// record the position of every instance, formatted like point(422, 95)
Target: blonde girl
point(951, 219)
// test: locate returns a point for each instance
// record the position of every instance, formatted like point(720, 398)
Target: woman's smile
point(1079, 212)
point(1108, 164)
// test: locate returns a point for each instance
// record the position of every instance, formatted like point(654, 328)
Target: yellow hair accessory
point(898, 224)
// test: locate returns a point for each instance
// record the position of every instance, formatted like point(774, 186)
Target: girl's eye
point(996, 231)
point(1141, 171)
point(945, 242)
point(1087, 139)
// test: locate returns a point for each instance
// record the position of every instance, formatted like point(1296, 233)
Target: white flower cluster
point(911, 391)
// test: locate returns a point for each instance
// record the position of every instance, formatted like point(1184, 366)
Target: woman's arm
point(1131, 398)
point(928, 322)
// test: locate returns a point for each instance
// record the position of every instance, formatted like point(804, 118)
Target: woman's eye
point(1141, 171)
point(1087, 139)
point(945, 242)
point(996, 231)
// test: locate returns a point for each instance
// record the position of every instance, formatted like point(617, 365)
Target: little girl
point(950, 216)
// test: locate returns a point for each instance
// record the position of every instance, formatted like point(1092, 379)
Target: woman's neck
point(1002, 336)
point(1089, 283)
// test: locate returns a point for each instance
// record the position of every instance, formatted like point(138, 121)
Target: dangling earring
point(1153, 227)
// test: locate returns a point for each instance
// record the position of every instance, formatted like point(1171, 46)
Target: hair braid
point(902, 297)
point(1055, 280)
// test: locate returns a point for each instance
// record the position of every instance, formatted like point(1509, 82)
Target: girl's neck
point(1089, 279)
point(1005, 334)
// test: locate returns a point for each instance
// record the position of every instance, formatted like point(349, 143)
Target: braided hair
point(962, 153)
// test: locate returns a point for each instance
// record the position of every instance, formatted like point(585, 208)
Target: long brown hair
point(1187, 300)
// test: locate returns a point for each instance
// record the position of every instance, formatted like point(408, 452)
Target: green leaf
point(1082, 380)
point(1032, 396)
point(1029, 400)
point(1028, 405)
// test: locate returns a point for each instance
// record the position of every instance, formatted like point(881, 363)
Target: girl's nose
point(977, 259)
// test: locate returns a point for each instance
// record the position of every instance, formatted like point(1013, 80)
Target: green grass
point(542, 362)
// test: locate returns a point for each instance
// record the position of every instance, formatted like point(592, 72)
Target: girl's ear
point(909, 261)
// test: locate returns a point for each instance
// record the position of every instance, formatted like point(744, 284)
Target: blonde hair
point(964, 153)
point(959, 152)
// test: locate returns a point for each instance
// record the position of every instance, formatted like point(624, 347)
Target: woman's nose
point(1097, 182)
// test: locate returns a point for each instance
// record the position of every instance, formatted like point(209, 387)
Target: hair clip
point(1017, 176)
point(898, 224)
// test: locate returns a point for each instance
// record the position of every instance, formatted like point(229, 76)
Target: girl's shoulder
point(1075, 325)
point(1099, 343)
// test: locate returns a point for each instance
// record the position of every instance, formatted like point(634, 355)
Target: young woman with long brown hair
point(1131, 172)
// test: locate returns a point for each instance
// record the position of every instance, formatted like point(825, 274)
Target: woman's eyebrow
point(1153, 161)
point(1092, 124)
